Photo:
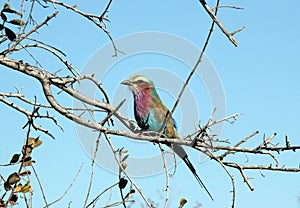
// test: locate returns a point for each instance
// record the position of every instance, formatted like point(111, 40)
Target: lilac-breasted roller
point(152, 115)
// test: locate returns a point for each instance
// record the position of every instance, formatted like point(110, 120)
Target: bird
point(152, 115)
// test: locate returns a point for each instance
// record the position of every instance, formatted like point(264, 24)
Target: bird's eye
point(139, 81)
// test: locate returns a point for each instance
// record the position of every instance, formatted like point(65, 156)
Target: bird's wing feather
point(175, 124)
point(157, 117)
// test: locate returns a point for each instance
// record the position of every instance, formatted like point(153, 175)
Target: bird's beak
point(126, 82)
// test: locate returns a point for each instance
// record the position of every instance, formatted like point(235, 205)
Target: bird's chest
point(142, 108)
point(147, 114)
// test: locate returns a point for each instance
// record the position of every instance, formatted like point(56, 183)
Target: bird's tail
point(182, 154)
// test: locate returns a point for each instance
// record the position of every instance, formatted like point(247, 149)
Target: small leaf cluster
point(13, 185)
point(123, 156)
point(10, 34)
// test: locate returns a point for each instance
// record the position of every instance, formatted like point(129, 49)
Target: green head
point(139, 83)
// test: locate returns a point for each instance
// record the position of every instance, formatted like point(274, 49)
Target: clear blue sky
point(260, 79)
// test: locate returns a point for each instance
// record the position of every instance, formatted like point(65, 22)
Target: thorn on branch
point(287, 142)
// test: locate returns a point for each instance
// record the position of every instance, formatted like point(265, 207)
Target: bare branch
point(69, 66)
point(216, 20)
point(20, 39)
point(97, 20)
point(28, 115)
point(197, 62)
point(239, 143)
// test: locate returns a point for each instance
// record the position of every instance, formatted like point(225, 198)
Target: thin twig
point(40, 185)
point(67, 190)
point(228, 7)
point(166, 173)
point(92, 171)
point(99, 195)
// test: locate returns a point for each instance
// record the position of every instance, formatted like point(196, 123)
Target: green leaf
point(13, 178)
point(13, 199)
point(11, 11)
point(124, 165)
point(7, 187)
point(2, 204)
point(122, 183)
point(15, 158)
point(27, 159)
point(6, 6)
point(16, 22)
point(7, 9)
point(25, 173)
point(3, 17)
point(34, 142)
point(125, 158)
point(10, 34)
point(24, 189)
point(37, 142)
point(182, 202)
point(18, 188)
